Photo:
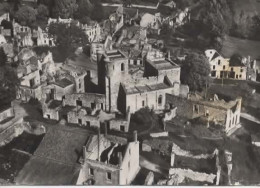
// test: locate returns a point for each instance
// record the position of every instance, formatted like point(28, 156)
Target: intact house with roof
point(109, 160)
point(123, 90)
point(234, 68)
point(209, 111)
point(55, 161)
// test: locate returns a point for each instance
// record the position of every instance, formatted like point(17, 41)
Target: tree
point(84, 9)
point(26, 15)
point(127, 3)
point(16, 4)
point(64, 8)
point(98, 12)
point(195, 71)
point(8, 84)
point(42, 12)
point(68, 37)
point(3, 57)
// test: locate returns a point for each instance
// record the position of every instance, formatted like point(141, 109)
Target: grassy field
point(248, 6)
point(244, 47)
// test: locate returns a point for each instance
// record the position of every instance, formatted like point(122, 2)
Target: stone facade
point(226, 114)
point(93, 31)
point(122, 90)
point(6, 113)
point(104, 163)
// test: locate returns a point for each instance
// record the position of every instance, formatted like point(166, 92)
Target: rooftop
point(42, 171)
point(54, 104)
point(164, 64)
point(63, 83)
point(113, 55)
point(146, 88)
point(62, 144)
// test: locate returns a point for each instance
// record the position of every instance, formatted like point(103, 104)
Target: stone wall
point(90, 100)
point(195, 176)
point(32, 75)
point(26, 93)
point(100, 171)
point(149, 179)
point(81, 118)
point(149, 99)
point(7, 113)
point(50, 113)
point(130, 164)
point(14, 128)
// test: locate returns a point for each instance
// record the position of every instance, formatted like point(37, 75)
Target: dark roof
point(63, 144)
point(215, 56)
point(236, 61)
point(54, 104)
point(63, 83)
point(42, 171)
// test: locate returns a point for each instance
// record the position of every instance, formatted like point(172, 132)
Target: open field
point(244, 47)
point(248, 6)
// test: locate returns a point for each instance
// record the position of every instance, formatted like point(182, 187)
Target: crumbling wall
point(87, 99)
point(14, 128)
point(6, 114)
point(149, 179)
point(81, 118)
point(195, 176)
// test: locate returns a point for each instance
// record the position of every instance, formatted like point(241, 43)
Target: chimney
point(99, 55)
point(84, 152)
point(120, 159)
point(105, 128)
point(172, 159)
point(169, 55)
point(98, 144)
point(135, 136)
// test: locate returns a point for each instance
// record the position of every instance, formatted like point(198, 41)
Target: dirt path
point(250, 118)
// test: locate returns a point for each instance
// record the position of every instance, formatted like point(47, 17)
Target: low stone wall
point(149, 179)
point(195, 176)
point(14, 129)
point(178, 151)
point(161, 134)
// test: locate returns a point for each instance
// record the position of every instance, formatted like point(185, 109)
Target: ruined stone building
point(30, 82)
point(123, 89)
point(93, 31)
point(33, 73)
point(42, 38)
point(10, 125)
point(109, 160)
point(210, 112)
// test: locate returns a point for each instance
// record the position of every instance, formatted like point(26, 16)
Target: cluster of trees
point(195, 71)
point(79, 9)
point(83, 10)
point(68, 38)
point(8, 80)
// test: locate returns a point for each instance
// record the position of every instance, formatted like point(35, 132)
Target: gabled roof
point(41, 171)
point(62, 144)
